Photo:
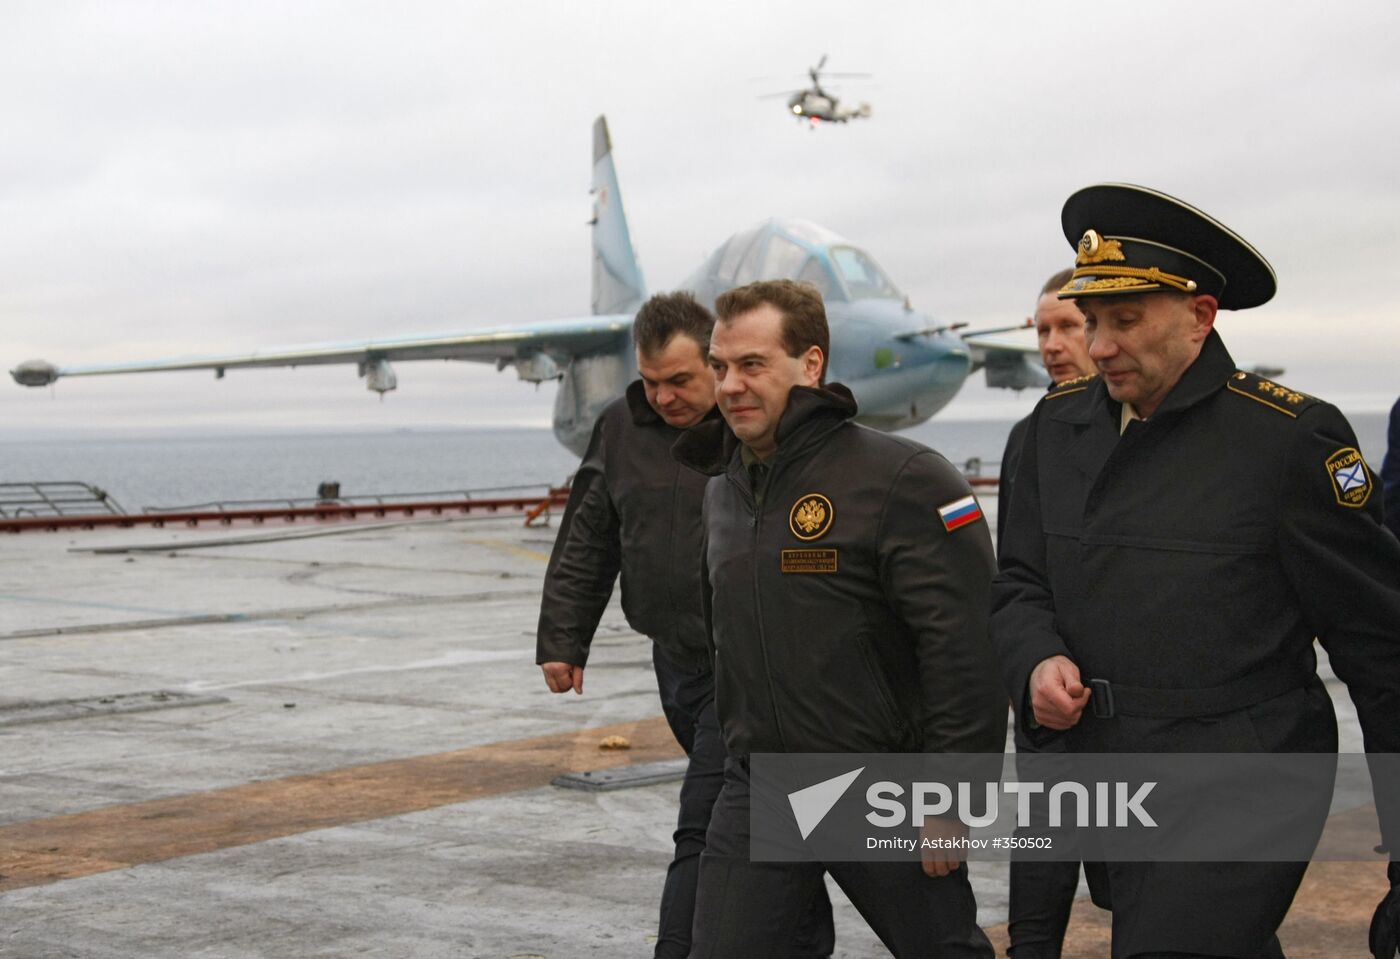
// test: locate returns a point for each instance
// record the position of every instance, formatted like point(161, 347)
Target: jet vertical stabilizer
point(617, 278)
point(594, 378)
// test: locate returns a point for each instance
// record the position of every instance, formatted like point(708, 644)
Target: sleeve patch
point(1351, 480)
point(960, 512)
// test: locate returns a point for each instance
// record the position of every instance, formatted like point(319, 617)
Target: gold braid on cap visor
point(1126, 277)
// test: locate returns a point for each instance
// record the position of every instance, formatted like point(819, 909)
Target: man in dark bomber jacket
point(633, 509)
point(849, 574)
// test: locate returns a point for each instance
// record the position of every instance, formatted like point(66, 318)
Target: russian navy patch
point(1351, 480)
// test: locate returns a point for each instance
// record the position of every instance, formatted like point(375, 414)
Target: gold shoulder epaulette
point(1276, 397)
point(1076, 385)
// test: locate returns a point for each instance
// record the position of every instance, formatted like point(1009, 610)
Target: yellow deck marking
point(524, 552)
point(66, 847)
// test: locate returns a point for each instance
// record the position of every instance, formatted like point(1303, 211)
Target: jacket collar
point(637, 405)
point(1207, 374)
point(811, 413)
point(643, 415)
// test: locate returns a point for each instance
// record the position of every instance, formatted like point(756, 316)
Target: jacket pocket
point(883, 694)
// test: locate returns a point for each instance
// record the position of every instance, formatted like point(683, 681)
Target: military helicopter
point(816, 105)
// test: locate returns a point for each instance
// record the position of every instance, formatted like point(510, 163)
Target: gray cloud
point(212, 177)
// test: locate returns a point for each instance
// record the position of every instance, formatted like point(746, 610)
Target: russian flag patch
point(959, 513)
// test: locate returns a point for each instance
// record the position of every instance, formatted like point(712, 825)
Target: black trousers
point(1210, 909)
point(750, 909)
point(1042, 893)
point(688, 700)
point(1271, 951)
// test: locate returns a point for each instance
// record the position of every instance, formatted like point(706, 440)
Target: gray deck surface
point(331, 651)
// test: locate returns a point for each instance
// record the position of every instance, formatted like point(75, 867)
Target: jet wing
point(1009, 364)
point(988, 344)
point(538, 350)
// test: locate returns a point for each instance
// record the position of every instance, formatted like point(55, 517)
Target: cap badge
point(1094, 248)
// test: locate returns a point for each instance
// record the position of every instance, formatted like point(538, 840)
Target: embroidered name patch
point(810, 517)
point(809, 561)
point(1351, 480)
point(959, 513)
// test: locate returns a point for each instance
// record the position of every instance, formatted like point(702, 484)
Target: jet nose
point(34, 373)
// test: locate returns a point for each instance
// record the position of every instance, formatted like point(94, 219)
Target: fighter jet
point(902, 365)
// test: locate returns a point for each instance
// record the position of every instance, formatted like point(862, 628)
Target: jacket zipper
point(758, 602)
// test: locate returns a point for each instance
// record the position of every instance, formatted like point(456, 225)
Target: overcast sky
point(209, 177)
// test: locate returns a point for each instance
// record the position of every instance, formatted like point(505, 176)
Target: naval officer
point(632, 509)
point(848, 572)
point(1180, 531)
point(1042, 893)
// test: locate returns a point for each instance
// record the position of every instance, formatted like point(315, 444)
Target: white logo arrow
point(810, 805)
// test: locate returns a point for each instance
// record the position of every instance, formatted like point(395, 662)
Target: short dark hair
point(1057, 282)
point(804, 314)
point(667, 314)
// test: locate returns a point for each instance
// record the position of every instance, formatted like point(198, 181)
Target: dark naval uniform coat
point(1189, 563)
point(1006, 482)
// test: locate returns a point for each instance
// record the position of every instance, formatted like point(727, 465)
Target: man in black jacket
point(1179, 532)
point(633, 509)
point(1042, 893)
point(849, 574)
point(1059, 330)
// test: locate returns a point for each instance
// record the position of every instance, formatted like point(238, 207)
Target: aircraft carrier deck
point(331, 740)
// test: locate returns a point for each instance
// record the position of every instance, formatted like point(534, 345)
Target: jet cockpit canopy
point(796, 250)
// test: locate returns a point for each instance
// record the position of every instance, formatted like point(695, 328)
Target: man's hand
point(562, 677)
point(1058, 696)
point(941, 862)
point(1385, 924)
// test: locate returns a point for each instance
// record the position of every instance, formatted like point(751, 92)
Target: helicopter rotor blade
point(778, 78)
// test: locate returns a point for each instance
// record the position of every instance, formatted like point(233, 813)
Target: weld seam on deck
point(263, 616)
point(120, 704)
